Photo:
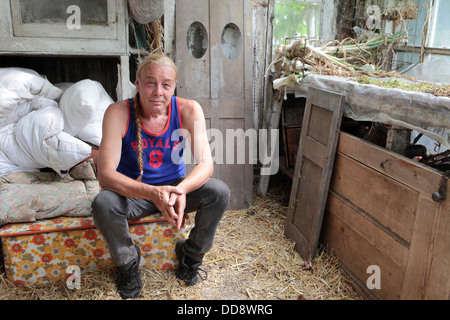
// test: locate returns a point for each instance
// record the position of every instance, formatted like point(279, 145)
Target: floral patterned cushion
point(31, 196)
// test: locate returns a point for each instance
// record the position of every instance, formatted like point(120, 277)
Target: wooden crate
point(380, 213)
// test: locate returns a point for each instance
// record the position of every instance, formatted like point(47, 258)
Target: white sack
point(8, 142)
point(7, 167)
point(18, 86)
point(41, 140)
point(14, 152)
point(63, 86)
point(83, 106)
point(92, 133)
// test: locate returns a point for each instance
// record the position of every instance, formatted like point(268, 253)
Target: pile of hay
point(250, 259)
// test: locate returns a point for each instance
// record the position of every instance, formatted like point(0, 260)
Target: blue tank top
point(162, 152)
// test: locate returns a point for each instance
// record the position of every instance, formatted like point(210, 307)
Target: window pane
point(50, 11)
point(440, 32)
point(415, 27)
point(295, 19)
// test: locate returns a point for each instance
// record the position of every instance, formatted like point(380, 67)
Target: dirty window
point(415, 28)
point(49, 11)
point(295, 19)
point(432, 29)
point(440, 25)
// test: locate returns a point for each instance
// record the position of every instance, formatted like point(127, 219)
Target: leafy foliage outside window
point(295, 19)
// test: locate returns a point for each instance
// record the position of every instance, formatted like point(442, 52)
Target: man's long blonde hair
point(160, 59)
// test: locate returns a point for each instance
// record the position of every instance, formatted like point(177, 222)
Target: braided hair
point(156, 58)
point(137, 119)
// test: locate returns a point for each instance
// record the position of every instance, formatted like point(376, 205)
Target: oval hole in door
point(197, 40)
point(231, 41)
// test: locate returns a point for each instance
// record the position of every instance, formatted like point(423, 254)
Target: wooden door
point(317, 146)
point(213, 55)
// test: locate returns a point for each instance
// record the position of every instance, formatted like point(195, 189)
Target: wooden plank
point(315, 151)
point(273, 123)
point(377, 194)
point(291, 136)
point(229, 94)
point(418, 259)
point(226, 108)
point(193, 73)
point(321, 122)
point(356, 253)
point(231, 172)
point(361, 223)
point(438, 275)
point(124, 78)
point(250, 81)
point(411, 173)
point(427, 273)
point(320, 118)
point(306, 201)
point(227, 75)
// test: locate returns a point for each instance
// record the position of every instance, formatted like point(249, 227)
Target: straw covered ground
point(251, 259)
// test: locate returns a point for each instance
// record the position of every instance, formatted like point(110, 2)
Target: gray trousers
point(111, 213)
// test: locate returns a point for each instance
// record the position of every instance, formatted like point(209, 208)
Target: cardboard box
point(40, 252)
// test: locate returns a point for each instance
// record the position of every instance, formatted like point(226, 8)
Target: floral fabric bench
point(41, 252)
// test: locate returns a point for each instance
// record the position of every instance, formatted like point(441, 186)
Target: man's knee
point(221, 192)
point(104, 202)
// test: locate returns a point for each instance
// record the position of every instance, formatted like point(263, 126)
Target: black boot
point(188, 270)
point(130, 284)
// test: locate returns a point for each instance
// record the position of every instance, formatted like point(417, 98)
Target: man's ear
point(137, 83)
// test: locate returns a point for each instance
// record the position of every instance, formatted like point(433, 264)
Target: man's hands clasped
point(171, 202)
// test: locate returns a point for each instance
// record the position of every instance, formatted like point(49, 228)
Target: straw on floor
point(251, 259)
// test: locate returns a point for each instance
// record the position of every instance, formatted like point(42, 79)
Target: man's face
point(156, 85)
